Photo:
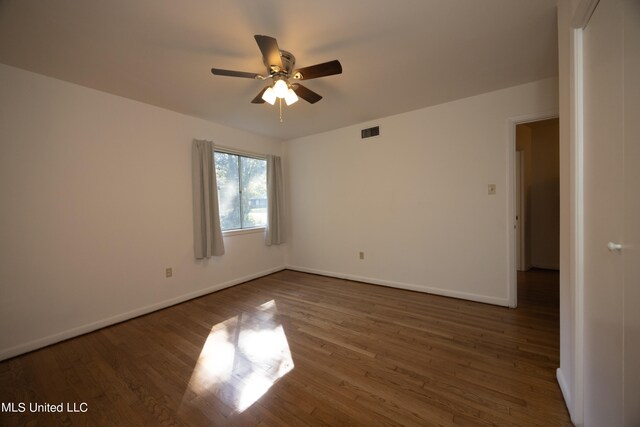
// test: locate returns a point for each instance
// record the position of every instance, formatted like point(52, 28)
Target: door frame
point(520, 212)
point(512, 122)
point(574, 19)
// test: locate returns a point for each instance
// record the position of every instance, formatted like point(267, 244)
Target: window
point(242, 191)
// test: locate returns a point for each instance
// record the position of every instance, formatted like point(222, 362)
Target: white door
point(611, 192)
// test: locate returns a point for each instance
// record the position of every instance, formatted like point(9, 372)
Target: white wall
point(95, 197)
point(415, 198)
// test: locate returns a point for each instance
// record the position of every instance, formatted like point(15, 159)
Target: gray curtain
point(275, 203)
point(207, 235)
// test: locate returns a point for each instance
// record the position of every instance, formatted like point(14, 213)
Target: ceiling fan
point(280, 69)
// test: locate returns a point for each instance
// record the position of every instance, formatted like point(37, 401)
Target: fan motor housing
point(288, 62)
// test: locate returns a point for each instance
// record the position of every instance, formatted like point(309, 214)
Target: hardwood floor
point(299, 349)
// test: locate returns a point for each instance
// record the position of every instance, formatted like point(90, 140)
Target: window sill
point(243, 231)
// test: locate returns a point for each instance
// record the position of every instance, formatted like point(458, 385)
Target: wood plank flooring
point(294, 349)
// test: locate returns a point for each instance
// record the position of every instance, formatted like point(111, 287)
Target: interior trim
point(583, 13)
point(566, 394)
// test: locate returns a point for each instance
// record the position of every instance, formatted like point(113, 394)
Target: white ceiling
point(397, 55)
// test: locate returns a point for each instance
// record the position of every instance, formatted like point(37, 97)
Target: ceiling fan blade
point(307, 94)
point(270, 51)
point(258, 99)
point(230, 73)
point(319, 70)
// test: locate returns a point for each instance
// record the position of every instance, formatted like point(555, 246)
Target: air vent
point(368, 133)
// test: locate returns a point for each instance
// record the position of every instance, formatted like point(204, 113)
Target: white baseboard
point(408, 286)
point(90, 327)
point(566, 394)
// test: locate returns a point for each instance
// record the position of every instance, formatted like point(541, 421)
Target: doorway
point(536, 200)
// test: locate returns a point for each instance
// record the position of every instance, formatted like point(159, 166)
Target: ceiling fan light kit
point(269, 95)
point(290, 97)
point(280, 68)
point(280, 87)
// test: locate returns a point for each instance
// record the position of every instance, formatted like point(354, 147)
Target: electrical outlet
point(361, 255)
point(492, 189)
point(168, 272)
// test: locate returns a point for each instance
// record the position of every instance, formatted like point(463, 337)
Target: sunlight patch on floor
point(242, 358)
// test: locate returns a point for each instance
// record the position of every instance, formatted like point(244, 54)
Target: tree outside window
point(242, 191)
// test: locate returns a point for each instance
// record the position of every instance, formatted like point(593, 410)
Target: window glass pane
point(228, 194)
point(254, 192)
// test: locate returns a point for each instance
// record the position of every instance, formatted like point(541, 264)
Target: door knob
point(614, 246)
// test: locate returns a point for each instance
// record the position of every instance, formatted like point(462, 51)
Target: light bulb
point(269, 96)
point(291, 97)
point(280, 88)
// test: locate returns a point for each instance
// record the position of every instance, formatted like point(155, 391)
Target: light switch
point(492, 189)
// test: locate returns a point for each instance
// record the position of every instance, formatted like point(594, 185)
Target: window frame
point(239, 154)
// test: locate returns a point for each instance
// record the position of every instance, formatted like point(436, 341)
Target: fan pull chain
point(280, 99)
